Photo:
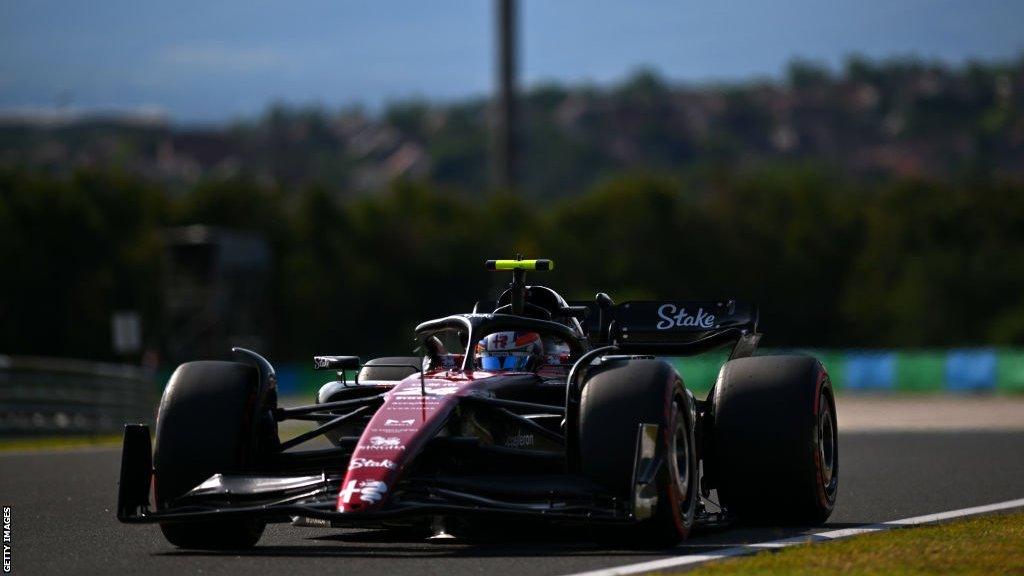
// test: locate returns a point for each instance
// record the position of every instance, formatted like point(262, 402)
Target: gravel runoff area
point(890, 413)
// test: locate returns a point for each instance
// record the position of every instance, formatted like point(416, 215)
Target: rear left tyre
point(776, 440)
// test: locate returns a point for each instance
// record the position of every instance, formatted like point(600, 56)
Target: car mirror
point(336, 362)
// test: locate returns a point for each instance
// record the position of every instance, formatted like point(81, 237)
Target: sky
point(202, 61)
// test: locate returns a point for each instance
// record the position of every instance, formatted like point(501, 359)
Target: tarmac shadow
point(389, 544)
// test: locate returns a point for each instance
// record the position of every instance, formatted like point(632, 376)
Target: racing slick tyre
point(614, 403)
point(208, 423)
point(776, 444)
point(400, 367)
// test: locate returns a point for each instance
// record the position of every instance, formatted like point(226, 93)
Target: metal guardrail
point(58, 396)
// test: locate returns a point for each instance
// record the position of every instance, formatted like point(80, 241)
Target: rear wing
point(674, 328)
point(664, 327)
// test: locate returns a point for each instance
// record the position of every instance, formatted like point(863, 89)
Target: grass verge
point(57, 442)
point(981, 545)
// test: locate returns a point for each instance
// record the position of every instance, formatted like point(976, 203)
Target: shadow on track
point(387, 544)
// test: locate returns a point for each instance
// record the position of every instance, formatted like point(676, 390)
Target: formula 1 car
point(535, 410)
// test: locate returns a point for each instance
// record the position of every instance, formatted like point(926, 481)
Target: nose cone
point(373, 468)
point(358, 494)
point(409, 417)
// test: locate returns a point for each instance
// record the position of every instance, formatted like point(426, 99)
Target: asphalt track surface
point(63, 517)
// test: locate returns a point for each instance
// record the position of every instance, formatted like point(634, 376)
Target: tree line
point(871, 118)
point(832, 261)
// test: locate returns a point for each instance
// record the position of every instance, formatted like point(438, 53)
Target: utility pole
point(504, 161)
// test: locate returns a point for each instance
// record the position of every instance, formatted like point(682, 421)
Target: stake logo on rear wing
point(684, 317)
point(683, 327)
point(673, 316)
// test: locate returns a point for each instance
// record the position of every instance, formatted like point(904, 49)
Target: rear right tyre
point(401, 367)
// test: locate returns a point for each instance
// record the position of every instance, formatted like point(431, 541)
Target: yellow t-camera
point(540, 264)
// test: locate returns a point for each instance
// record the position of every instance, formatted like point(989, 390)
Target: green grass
point(982, 545)
point(57, 442)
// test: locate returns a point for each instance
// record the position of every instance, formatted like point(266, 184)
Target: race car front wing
point(282, 497)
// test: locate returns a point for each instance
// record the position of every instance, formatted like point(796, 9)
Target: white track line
point(693, 559)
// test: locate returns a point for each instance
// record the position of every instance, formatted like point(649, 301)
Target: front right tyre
point(210, 421)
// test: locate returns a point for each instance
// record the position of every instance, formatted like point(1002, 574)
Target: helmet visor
point(509, 362)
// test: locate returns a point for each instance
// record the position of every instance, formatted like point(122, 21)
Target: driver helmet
point(509, 351)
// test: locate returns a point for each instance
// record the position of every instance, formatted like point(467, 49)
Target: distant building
point(215, 292)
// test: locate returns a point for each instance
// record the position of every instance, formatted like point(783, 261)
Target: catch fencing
point(57, 396)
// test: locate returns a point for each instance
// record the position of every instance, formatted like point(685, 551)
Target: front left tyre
point(614, 404)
